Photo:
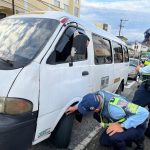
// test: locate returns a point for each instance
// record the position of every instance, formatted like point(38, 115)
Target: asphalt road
point(82, 130)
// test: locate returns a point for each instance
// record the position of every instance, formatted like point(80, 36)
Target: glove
point(96, 116)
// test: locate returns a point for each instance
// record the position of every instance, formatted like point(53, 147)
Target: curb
point(88, 139)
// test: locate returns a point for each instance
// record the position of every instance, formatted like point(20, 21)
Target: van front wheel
point(62, 133)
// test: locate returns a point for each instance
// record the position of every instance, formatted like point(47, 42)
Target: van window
point(102, 50)
point(118, 52)
point(24, 38)
point(71, 40)
point(126, 54)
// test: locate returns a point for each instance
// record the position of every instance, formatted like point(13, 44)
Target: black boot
point(129, 143)
point(147, 132)
point(140, 143)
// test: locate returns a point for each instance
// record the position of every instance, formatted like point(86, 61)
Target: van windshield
point(21, 39)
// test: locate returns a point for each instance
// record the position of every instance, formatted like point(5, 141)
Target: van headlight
point(15, 106)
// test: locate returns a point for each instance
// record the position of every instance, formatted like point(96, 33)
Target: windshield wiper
point(10, 62)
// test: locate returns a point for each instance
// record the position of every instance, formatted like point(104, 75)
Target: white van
point(48, 62)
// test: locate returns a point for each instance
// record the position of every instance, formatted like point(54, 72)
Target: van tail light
point(15, 106)
point(64, 20)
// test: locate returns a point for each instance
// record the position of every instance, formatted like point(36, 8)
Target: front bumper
point(17, 132)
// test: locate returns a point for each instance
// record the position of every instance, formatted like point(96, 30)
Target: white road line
point(83, 144)
point(130, 84)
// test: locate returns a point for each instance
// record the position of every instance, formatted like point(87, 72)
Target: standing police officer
point(142, 95)
point(124, 121)
point(147, 38)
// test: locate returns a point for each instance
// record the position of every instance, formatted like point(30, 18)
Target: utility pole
point(121, 25)
point(13, 7)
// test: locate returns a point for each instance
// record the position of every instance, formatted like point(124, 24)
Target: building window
point(102, 50)
point(76, 2)
point(118, 52)
point(57, 3)
point(105, 27)
point(66, 8)
point(2, 15)
point(76, 11)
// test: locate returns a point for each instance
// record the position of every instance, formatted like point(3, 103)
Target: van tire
point(120, 89)
point(62, 133)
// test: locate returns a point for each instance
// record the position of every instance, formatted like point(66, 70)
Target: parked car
point(144, 57)
point(133, 74)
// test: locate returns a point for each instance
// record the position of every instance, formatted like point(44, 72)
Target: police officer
point(142, 95)
point(147, 38)
point(147, 43)
point(123, 121)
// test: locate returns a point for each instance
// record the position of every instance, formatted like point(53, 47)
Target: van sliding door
point(103, 67)
point(120, 69)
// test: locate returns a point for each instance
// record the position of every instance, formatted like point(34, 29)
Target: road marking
point(130, 84)
point(83, 144)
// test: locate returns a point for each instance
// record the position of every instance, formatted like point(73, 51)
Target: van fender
point(72, 102)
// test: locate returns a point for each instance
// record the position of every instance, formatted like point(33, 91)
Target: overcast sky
point(137, 12)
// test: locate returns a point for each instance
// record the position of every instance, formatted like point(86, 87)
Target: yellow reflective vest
point(146, 62)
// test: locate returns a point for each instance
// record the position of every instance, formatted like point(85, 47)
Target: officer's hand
point(114, 128)
point(71, 109)
point(138, 68)
point(141, 65)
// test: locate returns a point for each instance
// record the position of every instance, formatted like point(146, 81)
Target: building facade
point(136, 49)
point(25, 6)
point(103, 26)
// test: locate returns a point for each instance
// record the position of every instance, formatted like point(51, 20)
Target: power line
point(13, 7)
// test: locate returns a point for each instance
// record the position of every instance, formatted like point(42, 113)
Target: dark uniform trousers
point(142, 98)
point(118, 140)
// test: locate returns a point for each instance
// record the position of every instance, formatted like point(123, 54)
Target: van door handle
point(85, 73)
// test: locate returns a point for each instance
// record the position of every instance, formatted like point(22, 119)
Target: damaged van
point(48, 62)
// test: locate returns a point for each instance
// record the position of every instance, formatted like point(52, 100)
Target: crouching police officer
point(124, 121)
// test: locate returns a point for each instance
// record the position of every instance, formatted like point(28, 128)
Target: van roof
point(58, 15)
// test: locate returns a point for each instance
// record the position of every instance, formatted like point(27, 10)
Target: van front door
point(61, 80)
